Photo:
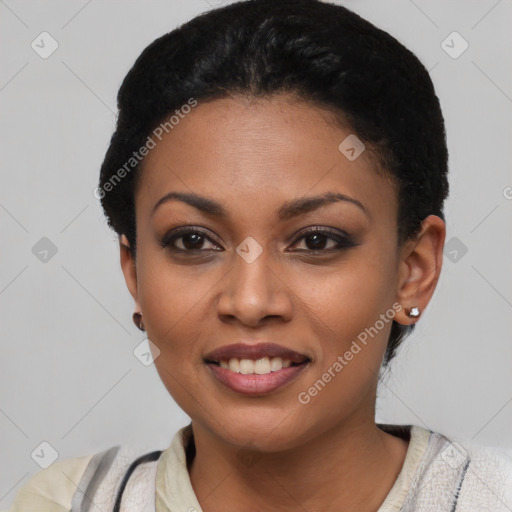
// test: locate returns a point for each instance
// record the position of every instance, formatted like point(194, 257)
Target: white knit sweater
point(438, 475)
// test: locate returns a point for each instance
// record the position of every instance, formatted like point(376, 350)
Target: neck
point(347, 469)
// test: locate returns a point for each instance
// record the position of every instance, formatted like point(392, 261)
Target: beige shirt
point(52, 489)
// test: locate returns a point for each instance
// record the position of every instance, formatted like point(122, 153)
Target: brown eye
point(322, 240)
point(317, 241)
point(192, 241)
point(188, 240)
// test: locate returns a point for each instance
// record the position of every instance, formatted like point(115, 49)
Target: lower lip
point(255, 384)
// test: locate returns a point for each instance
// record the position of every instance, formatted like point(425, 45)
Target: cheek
point(344, 308)
point(351, 296)
point(174, 301)
point(345, 319)
point(174, 306)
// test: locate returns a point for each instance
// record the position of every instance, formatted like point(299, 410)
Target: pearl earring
point(414, 312)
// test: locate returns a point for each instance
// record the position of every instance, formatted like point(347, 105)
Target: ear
point(129, 269)
point(420, 266)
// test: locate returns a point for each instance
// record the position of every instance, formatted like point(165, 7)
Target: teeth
point(234, 365)
point(262, 366)
point(246, 366)
point(276, 364)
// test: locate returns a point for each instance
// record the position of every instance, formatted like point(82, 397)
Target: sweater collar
point(174, 491)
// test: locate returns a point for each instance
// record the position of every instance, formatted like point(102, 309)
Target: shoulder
point(51, 489)
point(488, 479)
point(460, 472)
point(66, 482)
point(491, 460)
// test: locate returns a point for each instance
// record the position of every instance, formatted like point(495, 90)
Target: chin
point(265, 432)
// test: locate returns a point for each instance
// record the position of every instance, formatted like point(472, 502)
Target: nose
point(253, 293)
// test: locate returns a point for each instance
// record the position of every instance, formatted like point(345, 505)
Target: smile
point(262, 366)
point(255, 369)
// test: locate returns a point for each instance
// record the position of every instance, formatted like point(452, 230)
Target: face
point(311, 277)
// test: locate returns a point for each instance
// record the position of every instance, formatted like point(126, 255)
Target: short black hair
point(323, 53)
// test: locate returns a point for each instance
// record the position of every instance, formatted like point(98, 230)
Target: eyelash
point(343, 241)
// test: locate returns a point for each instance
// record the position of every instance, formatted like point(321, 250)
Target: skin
point(253, 155)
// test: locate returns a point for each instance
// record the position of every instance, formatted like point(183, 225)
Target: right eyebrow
point(304, 205)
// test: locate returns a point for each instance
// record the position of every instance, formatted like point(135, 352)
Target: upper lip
point(254, 351)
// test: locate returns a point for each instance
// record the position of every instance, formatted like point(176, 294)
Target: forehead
point(244, 151)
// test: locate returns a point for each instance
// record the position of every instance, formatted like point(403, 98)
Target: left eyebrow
point(287, 211)
point(307, 204)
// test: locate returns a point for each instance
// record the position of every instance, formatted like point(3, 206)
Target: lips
point(254, 352)
point(255, 369)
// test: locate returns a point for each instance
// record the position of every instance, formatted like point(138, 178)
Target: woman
point(277, 179)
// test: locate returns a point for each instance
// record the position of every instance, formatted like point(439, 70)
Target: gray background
point(69, 376)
